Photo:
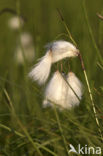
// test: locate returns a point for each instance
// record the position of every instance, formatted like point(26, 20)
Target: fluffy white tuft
point(29, 53)
point(60, 93)
point(62, 49)
point(15, 22)
point(55, 91)
point(77, 86)
point(56, 51)
point(27, 49)
point(41, 70)
point(26, 39)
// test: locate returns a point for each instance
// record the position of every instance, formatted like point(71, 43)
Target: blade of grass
point(61, 130)
point(19, 122)
point(100, 65)
point(90, 32)
point(66, 27)
point(84, 70)
point(71, 87)
point(60, 127)
point(35, 144)
point(20, 32)
point(11, 130)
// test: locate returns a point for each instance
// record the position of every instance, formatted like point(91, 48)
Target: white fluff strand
point(55, 91)
point(41, 70)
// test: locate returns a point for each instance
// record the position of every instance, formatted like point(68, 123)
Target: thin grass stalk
point(90, 32)
point(22, 50)
point(19, 122)
point(71, 87)
point(60, 127)
point(66, 27)
point(20, 31)
point(100, 65)
point(46, 149)
point(41, 146)
point(101, 60)
point(36, 145)
point(84, 71)
point(61, 130)
point(12, 130)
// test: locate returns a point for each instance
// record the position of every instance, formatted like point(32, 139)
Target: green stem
point(71, 87)
point(83, 68)
point(61, 130)
point(20, 124)
point(11, 130)
point(91, 34)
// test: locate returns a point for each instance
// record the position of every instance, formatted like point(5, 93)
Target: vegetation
point(26, 128)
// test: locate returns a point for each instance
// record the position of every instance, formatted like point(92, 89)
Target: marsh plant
point(15, 22)
point(55, 51)
point(24, 48)
point(59, 91)
point(51, 102)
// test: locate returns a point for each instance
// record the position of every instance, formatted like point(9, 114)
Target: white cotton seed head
point(26, 39)
point(26, 50)
point(77, 87)
point(41, 70)
point(55, 51)
point(15, 22)
point(62, 49)
point(56, 90)
point(60, 93)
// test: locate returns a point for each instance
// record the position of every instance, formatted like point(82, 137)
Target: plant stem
point(84, 71)
point(91, 34)
point(61, 130)
point(19, 122)
point(11, 130)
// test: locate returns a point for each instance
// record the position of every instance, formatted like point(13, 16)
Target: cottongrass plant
point(60, 93)
point(56, 51)
point(28, 49)
point(15, 22)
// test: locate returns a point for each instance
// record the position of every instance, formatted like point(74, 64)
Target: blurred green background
point(45, 25)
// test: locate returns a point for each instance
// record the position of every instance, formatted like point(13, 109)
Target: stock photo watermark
point(85, 149)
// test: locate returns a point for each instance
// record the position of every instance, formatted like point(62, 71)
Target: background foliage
point(46, 131)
